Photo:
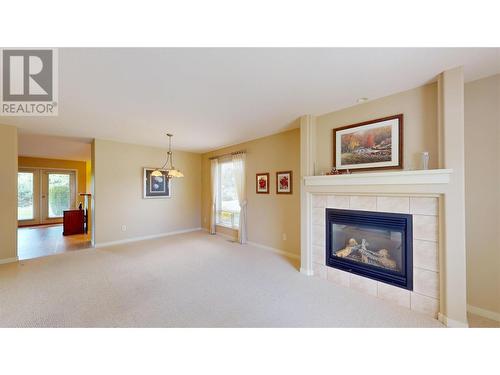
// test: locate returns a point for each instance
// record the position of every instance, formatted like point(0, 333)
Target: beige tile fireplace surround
point(423, 194)
point(425, 213)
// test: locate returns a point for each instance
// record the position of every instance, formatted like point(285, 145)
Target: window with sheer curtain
point(228, 207)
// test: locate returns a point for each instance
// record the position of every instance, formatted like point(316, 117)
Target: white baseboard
point(275, 250)
point(227, 236)
point(143, 238)
point(306, 272)
point(484, 313)
point(224, 235)
point(9, 260)
point(451, 323)
point(256, 244)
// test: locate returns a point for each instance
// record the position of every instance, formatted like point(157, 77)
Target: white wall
point(118, 193)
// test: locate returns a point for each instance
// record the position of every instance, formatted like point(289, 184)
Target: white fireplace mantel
point(420, 177)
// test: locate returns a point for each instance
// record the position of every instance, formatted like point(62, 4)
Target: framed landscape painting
point(375, 144)
point(156, 186)
point(262, 183)
point(284, 182)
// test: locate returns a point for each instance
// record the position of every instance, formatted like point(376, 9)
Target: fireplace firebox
point(377, 245)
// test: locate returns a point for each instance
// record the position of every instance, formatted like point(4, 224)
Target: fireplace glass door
point(376, 245)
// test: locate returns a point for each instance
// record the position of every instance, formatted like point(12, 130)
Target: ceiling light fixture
point(168, 166)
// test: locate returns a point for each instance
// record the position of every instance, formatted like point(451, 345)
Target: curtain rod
point(228, 154)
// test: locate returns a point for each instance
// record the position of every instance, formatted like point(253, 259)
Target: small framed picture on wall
point(156, 186)
point(284, 182)
point(262, 183)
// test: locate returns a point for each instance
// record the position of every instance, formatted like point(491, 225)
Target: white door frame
point(36, 197)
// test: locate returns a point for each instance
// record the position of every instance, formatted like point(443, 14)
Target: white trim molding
point(259, 245)
point(431, 176)
point(307, 168)
point(306, 271)
point(451, 323)
point(143, 238)
point(275, 250)
point(484, 313)
point(224, 235)
point(9, 260)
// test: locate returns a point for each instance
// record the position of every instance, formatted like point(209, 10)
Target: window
point(25, 191)
point(59, 194)
point(228, 206)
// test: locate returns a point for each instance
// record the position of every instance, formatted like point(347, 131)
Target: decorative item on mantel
point(425, 160)
point(335, 171)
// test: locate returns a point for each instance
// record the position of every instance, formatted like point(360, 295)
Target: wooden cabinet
point(73, 222)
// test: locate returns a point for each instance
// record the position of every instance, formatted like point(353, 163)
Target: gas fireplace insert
point(377, 245)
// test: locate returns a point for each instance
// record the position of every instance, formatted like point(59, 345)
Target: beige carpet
point(191, 280)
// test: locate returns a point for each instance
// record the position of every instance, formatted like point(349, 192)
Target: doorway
point(54, 177)
point(44, 195)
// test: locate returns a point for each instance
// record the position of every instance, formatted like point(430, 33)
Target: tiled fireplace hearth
point(364, 244)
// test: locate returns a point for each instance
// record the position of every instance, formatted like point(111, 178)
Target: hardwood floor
point(34, 242)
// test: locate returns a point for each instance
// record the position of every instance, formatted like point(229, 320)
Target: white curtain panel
point(241, 189)
point(214, 180)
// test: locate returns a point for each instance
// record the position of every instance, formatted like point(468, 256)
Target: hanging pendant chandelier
point(168, 166)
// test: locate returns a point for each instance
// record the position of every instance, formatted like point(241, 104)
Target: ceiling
point(213, 97)
point(53, 147)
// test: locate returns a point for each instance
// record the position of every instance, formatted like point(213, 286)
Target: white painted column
point(307, 161)
point(92, 191)
point(451, 155)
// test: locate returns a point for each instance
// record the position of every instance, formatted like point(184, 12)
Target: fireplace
point(377, 245)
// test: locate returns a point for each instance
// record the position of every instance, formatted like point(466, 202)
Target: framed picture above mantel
point(369, 145)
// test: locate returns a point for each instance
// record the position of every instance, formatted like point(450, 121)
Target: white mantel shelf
point(420, 177)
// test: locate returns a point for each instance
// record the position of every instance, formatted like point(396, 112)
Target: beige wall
point(118, 192)
point(269, 215)
point(482, 182)
point(419, 107)
point(8, 192)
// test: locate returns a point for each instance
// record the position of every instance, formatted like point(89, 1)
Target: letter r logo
point(27, 75)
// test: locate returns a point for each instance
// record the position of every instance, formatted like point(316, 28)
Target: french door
point(28, 196)
point(43, 195)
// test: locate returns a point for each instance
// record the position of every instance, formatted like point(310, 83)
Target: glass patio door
point(28, 196)
point(58, 194)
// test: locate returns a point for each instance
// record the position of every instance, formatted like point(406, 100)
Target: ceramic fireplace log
point(380, 257)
